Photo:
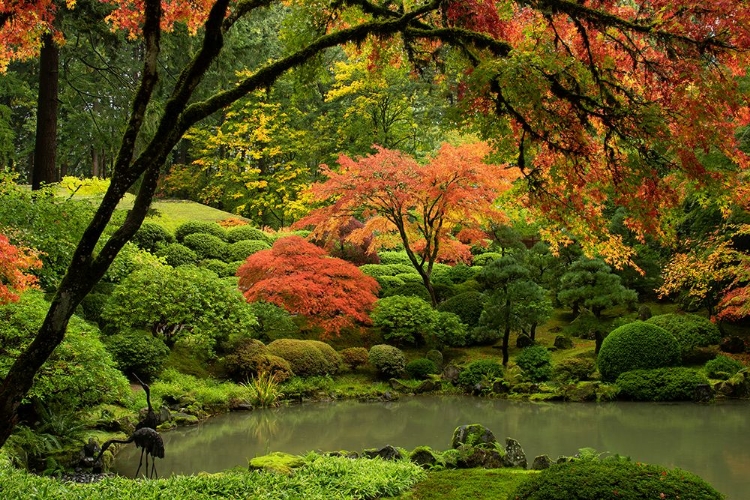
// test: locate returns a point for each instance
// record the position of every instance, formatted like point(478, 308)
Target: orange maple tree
point(15, 263)
point(435, 210)
point(302, 278)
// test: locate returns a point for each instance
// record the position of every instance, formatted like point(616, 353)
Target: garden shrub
point(304, 358)
point(250, 358)
point(483, 370)
point(421, 368)
point(441, 274)
point(573, 369)
point(722, 367)
point(613, 478)
point(690, 330)
point(389, 361)
point(354, 357)
point(461, 272)
point(387, 284)
point(137, 351)
point(410, 278)
point(377, 270)
point(333, 358)
point(177, 254)
point(448, 330)
point(192, 227)
point(482, 335)
point(404, 320)
point(240, 250)
point(436, 357)
point(536, 363)
point(219, 267)
point(151, 237)
point(468, 306)
point(394, 257)
point(636, 346)
point(660, 384)
point(485, 258)
point(128, 260)
point(206, 246)
point(274, 322)
point(246, 233)
point(92, 306)
point(410, 289)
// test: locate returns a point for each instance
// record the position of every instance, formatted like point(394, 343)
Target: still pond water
point(711, 440)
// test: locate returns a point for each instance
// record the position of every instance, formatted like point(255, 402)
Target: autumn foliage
point(14, 264)
point(303, 279)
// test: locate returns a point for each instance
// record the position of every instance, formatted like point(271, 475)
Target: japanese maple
point(15, 263)
point(302, 278)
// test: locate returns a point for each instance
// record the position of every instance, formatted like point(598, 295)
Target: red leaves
point(301, 278)
point(14, 263)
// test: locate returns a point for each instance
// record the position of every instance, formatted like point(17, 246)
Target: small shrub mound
point(723, 367)
point(251, 358)
point(206, 246)
point(536, 363)
point(421, 368)
point(177, 254)
point(389, 361)
point(690, 330)
point(404, 320)
point(240, 250)
point(468, 306)
point(151, 237)
point(573, 369)
point(193, 227)
point(304, 357)
point(613, 478)
point(246, 233)
point(448, 330)
point(136, 351)
point(636, 346)
point(354, 357)
point(333, 358)
point(661, 384)
point(479, 371)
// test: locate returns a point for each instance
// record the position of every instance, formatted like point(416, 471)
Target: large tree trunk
point(45, 148)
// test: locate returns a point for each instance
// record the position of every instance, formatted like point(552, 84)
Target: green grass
point(463, 484)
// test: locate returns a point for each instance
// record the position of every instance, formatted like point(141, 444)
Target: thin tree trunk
point(45, 147)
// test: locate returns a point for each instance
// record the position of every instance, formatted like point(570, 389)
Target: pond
point(710, 440)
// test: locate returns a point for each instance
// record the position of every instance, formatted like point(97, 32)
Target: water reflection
point(709, 440)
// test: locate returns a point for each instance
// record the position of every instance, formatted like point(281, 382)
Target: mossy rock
point(180, 419)
point(278, 462)
point(424, 457)
point(473, 435)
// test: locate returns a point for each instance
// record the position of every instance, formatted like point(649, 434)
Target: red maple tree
point(15, 263)
point(303, 279)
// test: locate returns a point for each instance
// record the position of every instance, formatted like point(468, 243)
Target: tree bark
point(45, 147)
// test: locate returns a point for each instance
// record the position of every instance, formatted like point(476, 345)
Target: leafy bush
point(151, 237)
point(436, 357)
point(136, 351)
point(305, 358)
point(388, 284)
point(207, 246)
point(246, 233)
point(420, 368)
point(690, 330)
point(410, 289)
point(240, 250)
point(441, 274)
point(394, 257)
point(410, 278)
point(448, 330)
point(354, 357)
point(461, 272)
point(201, 396)
point(192, 227)
point(596, 480)
point(485, 258)
point(176, 254)
point(482, 335)
point(479, 371)
point(128, 260)
point(252, 358)
point(389, 361)
point(274, 322)
point(217, 266)
point(333, 358)
point(404, 320)
point(722, 367)
point(536, 363)
point(468, 306)
point(573, 369)
point(377, 270)
point(661, 384)
point(636, 346)
point(92, 306)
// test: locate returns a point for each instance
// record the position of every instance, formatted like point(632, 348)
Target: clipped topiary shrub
point(394, 257)
point(206, 246)
point(690, 330)
point(388, 284)
point(333, 358)
point(468, 306)
point(177, 254)
point(536, 363)
point(389, 361)
point(151, 237)
point(461, 272)
point(251, 358)
point(411, 289)
point(421, 368)
point(483, 370)
point(661, 384)
point(193, 227)
point(573, 369)
point(304, 358)
point(636, 346)
point(485, 258)
point(137, 351)
point(240, 250)
point(404, 320)
point(613, 478)
point(722, 367)
point(354, 357)
point(246, 233)
point(376, 270)
point(220, 267)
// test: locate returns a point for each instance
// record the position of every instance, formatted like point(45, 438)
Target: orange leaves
point(26, 22)
point(128, 14)
point(14, 264)
point(303, 279)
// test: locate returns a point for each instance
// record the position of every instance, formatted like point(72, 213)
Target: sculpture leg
point(140, 462)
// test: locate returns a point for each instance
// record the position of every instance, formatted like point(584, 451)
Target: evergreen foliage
point(389, 361)
point(660, 384)
point(636, 346)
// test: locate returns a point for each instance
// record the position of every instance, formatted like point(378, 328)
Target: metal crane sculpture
point(151, 420)
point(150, 443)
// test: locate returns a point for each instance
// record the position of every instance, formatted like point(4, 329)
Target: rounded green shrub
point(404, 320)
point(151, 237)
point(274, 322)
point(177, 254)
point(613, 478)
point(636, 346)
point(250, 358)
point(137, 351)
point(193, 227)
point(410, 289)
point(206, 246)
point(421, 368)
point(461, 272)
point(246, 233)
point(660, 384)
point(441, 274)
point(485, 258)
point(389, 361)
point(573, 369)
point(377, 270)
point(722, 367)
point(690, 330)
point(394, 257)
point(483, 370)
point(354, 357)
point(448, 330)
point(388, 284)
point(468, 306)
point(242, 249)
point(332, 357)
point(536, 363)
point(304, 358)
point(220, 267)
point(92, 306)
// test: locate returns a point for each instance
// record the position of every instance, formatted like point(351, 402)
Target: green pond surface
point(711, 440)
